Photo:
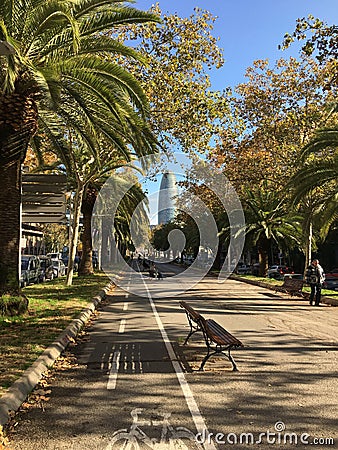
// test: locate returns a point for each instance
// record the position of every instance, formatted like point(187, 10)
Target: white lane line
point(125, 306)
point(189, 398)
point(114, 371)
point(115, 364)
point(102, 360)
point(122, 325)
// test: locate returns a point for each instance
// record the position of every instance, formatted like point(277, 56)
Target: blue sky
point(249, 29)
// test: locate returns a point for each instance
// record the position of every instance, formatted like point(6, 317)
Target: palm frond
point(324, 138)
point(46, 17)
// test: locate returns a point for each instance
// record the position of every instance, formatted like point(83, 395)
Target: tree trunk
point(263, 247)
point(18, 123)
point(88, 203)
point(106, 227)
point(75, 237)
point(10, 226)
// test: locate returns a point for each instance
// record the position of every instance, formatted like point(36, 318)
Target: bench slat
point(221, 336)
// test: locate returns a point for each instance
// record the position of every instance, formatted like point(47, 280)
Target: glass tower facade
point(166, 198)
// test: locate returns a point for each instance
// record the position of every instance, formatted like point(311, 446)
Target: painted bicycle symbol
point(135, 438)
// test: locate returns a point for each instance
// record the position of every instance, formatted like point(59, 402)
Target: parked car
point(278, 272)
point(54, 255)
point(331, 283)
point(95, 259)
point(243, 269)
point(59, 268)
point(332, 273)
point(30, 270)
point(255, 269)
point(46, 268)
point(65, 259)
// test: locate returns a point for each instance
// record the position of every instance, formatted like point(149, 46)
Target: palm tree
point(59, 69)
point(321, 172)
point(121, 225)
point(269, 219)
point(113, 216)
point(315, 185)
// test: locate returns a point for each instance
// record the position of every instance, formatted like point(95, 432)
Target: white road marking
point(125, 306)
point(191, 402)
point(114, 371)
point(122, 325)
point(115, 364)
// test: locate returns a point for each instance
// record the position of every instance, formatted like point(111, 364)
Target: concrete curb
point(18, 392)
point(324, 299)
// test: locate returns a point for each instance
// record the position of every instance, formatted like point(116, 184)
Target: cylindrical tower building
point(167, 198)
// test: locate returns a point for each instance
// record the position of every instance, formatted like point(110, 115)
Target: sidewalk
point(18, 392)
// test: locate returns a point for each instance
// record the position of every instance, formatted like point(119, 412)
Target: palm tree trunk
point(263, 256)
point(75, 237)
point(86, 263)
point(88, 203)
point(18, 123)
point(10, 227)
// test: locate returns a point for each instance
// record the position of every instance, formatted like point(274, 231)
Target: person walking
point(152, 271)
point(315, 278)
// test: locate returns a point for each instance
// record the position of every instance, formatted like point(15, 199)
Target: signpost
point(44, 198)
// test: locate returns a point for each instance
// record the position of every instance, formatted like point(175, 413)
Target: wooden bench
point(217, 339)
point(291, 286)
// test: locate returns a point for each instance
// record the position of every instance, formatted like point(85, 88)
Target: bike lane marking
point(114, 358)
point(188, 395)
point(115, 362)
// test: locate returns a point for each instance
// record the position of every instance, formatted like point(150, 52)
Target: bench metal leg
point(193, 329)
point(231, 359)
point(205, 359)
point(218, 352)
point(191, 332)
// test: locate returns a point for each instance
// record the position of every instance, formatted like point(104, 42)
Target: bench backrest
point(218, 334)
point(292, 283)
point(194, 315)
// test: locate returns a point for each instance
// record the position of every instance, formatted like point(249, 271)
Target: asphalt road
point(132, 367)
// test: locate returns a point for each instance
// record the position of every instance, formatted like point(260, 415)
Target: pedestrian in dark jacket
point(315, 278)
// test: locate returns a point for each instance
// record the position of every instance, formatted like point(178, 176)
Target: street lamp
point(6, 48)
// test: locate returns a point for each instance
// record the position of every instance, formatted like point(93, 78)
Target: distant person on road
point(315, 278)
point(159, 275)
point(152, 271)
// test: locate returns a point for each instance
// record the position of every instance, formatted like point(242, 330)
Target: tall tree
point(121, 225)
point(274, 114)
point(186, 113)
point(269, 219)
point(56, 68)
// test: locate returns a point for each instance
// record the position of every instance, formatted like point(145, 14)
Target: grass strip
point(52, 306)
